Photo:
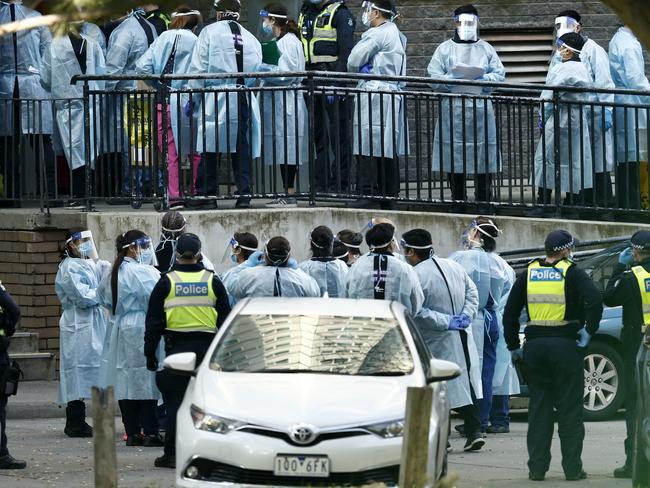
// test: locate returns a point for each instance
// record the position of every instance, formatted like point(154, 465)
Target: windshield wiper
point(385, 373)
point(292, 370)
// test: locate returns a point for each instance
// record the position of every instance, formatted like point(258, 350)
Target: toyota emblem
point(302, 434)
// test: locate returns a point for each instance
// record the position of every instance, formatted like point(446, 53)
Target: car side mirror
point(441, 370)
point(183, 364)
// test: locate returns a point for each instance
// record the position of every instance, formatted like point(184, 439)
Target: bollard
point(104, 437)
point(415, 447)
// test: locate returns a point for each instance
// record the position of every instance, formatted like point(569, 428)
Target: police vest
point(322, 47)
point(643, 278)
point(545, 293)
point(189, 306)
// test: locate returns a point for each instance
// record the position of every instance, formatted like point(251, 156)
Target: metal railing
point(442, 143)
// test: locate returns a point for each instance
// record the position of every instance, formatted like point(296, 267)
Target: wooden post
point(104, 438)
point(415, 447)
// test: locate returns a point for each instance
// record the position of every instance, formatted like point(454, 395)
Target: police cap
point(558, 240)
point(641, 240)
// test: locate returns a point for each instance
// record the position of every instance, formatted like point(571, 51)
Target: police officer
point(9, 317)
point(560, 299)
point(327, 28)
point(630, 287)
point(188, 319)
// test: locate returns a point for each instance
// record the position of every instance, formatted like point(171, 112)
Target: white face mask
point(365, 20)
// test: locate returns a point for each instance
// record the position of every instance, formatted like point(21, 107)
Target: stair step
point(36, 365)
point(24, 342)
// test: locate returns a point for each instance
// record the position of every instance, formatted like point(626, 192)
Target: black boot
point(75, 420)
point(8, 462)
point(624, 471)
point(165, 461)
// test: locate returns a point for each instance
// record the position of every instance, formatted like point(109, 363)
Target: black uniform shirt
point(156, 321)
point(583, 305)
point(8, 320)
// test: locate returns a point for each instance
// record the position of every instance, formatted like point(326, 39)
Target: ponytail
point(290, 27)
point(121, 246)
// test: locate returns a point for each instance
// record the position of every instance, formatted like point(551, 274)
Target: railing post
point(87, 149)
point(557, 153)
point(310, 135)
point(415, 446)
point(103, 408)
point(163, 92)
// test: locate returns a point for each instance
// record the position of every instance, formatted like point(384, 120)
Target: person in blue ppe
point(574, 135)
point(186, 308)
point(94, 32)
point(126, 44)
point(631, 132)
point(469, 148)
point(72, 55)
point(596, 60)
point(564, 309)
point(629, 287)
point(171, 53)
point(352, 241)
point(327, 28)
point(493, 278)
point(284, 112)
point(329, 272)
point(82, 327)
point(9, 317)
point(243, 245)
point(21, 55)
point(382, 276)
point(450, 303)
point(132, 280)
point(379, 131)
point(228, 122)
point(274, 274)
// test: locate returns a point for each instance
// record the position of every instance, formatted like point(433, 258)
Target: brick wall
point(28, 264)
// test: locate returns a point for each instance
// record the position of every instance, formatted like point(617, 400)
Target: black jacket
point(8, 321)
point(156, 322)
point(583, 306)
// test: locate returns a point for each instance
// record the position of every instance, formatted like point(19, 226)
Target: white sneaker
point(282, 202)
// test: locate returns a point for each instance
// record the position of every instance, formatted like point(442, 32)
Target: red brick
point(52, 300)
point(32, 323)
point(48, 333)
point(31, 258)
point(52, 311)
point(43, 247)
point(52, 321)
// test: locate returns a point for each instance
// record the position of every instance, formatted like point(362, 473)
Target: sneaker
point(474, 443)
point(154, 440)
point(624, 471)
point(582, 475)
point(283, 202)
point(498, 429)
point(74, 204)
point(84, 430)
point(8, 462)
point(243, 202)
point(460, 428)
point(135, 440)
point(536, 476)
point(165, 461)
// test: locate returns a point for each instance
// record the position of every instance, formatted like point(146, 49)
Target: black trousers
point(554, 370)
point(471, 413)
point(109, 174)
point(288, 173)
point(139, 415)
point(3, 425)
point(631, 342)
point(378, 176)
point(12, 163)
point(628, 189)
point(601, 195)
point(332, 133)
point(458, 184)
point(172, 387)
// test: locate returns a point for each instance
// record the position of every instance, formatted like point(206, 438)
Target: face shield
point(233, 249)
point(144, 252)
point(471, 237)
point(467, 27)
point(276, 259)
point(565, 50)
point(368, 7)
point(83, 245)
point(564, 25)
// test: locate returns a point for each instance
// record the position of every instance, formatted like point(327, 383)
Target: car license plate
point(290, 465)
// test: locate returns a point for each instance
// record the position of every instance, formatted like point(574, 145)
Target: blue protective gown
point(481, 154)
point(82, 326)
point(575, 158)
point(385, 134)
point(217, 112)
point(59, 66)
point(269, 281)
point(440, 304)
point(153, 62)
point(31, 45)
point(285, 108)
point(330, 276)
point(628, 72)
point(401, 283)
point(92, 31)
point(123, 363)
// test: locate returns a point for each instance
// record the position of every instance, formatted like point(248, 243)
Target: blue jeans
point(490, 338)
point(500, 413)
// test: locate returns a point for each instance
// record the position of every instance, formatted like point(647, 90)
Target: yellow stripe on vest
point(324, 36)
point(643, 279)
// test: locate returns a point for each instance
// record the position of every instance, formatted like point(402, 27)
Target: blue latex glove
point(584, 338)
point(626, 258)
point(255, 259)
point(292, 263)
point(517, 355)
point(608, 119)
point(456, 323)
point(188, 108)
point(366, 68)
point(330, 99)
point(466, 321)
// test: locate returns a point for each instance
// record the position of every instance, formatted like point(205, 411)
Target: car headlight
point(212, 423)
point(387, 430)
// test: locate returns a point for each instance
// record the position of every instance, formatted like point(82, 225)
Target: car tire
point(640, 463)
point(604, 390)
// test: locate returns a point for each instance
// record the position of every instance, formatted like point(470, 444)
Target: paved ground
point(56, 461)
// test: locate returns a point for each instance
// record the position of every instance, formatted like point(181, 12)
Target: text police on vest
point(191, 289)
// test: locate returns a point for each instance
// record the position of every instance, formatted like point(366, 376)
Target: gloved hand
point(466, 321)
point(255, 259)
point(517, 355)
point(188, 108)
point(456, 323)
point(366, 68)
point(608, 119)
point(626, 258)
point(292, 263)
point(330, 99)
point(584, 338)
point(152, 363)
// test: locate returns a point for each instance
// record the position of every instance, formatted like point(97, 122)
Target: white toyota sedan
point(306, 392)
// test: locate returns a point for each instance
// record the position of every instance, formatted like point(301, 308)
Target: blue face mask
point(233, 258)
point(267, 29)
point(85, 249)
point(146, 256)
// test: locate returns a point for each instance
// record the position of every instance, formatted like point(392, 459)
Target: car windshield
point(323, 344)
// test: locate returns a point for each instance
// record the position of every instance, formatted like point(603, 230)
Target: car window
point(601, 266)
point(330, 344)
point(420, 346)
